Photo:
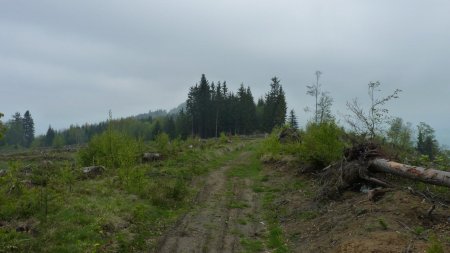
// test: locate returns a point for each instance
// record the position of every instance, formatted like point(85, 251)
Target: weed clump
point(110, 149)
point(322, 144)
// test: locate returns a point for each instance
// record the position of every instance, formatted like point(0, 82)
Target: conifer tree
point(14, 134)
point(275, 106)
point(169, 127)
point(156, 129)
point(49, 136)
point(426, 141)
point(2, 127)
point(28, 129)
point(183, 124)
point(292, 121)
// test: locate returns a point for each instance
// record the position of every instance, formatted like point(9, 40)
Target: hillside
point(212, 196)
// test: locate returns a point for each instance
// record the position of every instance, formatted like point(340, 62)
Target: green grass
point(418, 230)
point(123, 210)
point(252, 245)
point(275, 239)
point(253, 170)
point(237, 204)
point(434, 245)
point(382, 223)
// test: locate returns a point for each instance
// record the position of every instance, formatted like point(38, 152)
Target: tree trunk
point(431, 176)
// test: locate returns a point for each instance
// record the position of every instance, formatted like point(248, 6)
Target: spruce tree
point(28, 129)
point(14, 134)
point(2, 127)
point(292, 121)
point(275, 106)
point(49, 137)
point(156, 129)
point(169, 127)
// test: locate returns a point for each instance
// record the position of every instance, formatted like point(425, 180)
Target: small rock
point(150, 157)
point(2, 172)
point(93, 171)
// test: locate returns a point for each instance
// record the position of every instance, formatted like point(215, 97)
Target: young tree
point(314, 90)
point(169, 127)
point(370, 122)
point(292, 120)
point(28, 129)
point(426, 141)
point(399, 134)
point(156, 129)
point(2, 127)
point(323, 101)
point(324, 108)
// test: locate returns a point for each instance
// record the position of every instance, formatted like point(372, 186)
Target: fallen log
point(426, 175)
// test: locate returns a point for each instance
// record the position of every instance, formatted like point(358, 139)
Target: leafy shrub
point(322, 144)
point(166, 193)
point(111, 149)
point(223, 137)
point(162, 141)
point(271, 145)
point(434, 245)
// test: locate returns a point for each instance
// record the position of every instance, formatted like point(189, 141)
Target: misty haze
point(224, 126)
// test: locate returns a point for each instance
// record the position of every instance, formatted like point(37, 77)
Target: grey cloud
point(70, 62)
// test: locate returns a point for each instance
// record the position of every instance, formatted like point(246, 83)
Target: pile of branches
point(364, 165)
point(351, 172)
point(289, 135)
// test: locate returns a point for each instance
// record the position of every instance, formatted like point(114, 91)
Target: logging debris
point(363, 165)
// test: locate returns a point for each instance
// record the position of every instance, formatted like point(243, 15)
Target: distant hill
point(161, 112)
point(178, 109)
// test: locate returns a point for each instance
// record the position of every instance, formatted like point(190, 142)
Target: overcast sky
point(69, 62)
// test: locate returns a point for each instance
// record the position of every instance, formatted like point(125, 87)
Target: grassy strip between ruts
point(273, 238)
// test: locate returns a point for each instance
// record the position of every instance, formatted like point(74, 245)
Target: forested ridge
point(211, 108)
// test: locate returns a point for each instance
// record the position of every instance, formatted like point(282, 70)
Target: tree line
point(19, 131)
point(211, 109)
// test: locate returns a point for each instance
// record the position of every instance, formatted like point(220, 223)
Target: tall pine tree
point(28, 129)
point(49, 136)
point(292, 120)
point(275, 106)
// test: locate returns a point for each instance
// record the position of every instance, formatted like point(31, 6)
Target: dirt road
point(226, 216)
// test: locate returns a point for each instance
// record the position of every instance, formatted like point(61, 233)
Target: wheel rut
point(225, 212)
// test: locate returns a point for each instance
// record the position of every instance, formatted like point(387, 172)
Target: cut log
point(430, 176)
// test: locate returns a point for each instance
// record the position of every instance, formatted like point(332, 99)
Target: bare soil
point(226, 211)
point(397, 222)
